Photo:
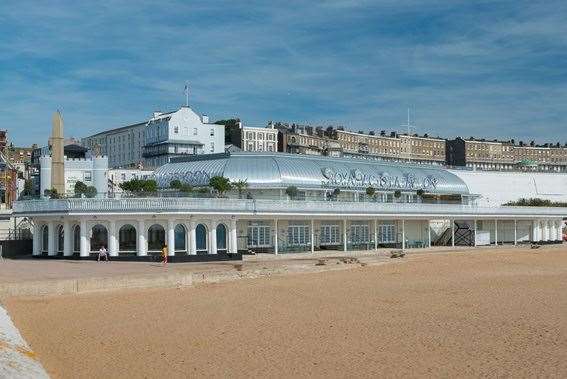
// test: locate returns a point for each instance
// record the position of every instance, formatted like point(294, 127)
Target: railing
point(261, 206)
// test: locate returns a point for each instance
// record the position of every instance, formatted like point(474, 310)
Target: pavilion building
point(289, 203)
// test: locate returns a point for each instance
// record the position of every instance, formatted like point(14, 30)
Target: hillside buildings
point(506, 156)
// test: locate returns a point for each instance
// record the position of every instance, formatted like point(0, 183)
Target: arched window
point(99, 237)
point(201, 238)
point(45, 238)
point(180, 238)
point(60, 238)
point(156, 237)
point(77, 238)
point(221, 238)
point(127, 238)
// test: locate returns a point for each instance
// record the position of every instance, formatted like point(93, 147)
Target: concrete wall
point(497, 188)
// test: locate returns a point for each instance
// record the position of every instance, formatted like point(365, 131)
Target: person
point(103, 253)
point(164, 254)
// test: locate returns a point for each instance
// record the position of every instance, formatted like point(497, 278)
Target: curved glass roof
point(279, 170)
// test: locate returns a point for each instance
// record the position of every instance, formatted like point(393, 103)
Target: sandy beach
point(500, 313)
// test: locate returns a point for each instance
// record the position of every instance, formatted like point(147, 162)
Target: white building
point(259, 139)
point(155, 141)
point(180, 133)
point(90, 170)
point(409, 199)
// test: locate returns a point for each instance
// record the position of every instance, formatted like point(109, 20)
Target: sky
point(493, 69)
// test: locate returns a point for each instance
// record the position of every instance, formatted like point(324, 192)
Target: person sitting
point(103, 253)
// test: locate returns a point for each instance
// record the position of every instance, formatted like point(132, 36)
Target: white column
point(51, 239)
point(475, 229)
point(67, 238)
point(403, 234)
point(549, 224)
point(534, 230)
point(515, 232)
point(85, 243)
point(344, 235)
point(495, 232)
point(545, 230)
point(213, 238)
point(142, 243)
point(312, 236)
point(276, 236)
point(234, 239)
point(170, 237)
point(429, 233)
point(192, 238)
point(375, 234)
point(453, 233)
point(559, 231)
point(112, 239)
point(37, 238)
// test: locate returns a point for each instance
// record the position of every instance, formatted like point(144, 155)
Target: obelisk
point(57, 155)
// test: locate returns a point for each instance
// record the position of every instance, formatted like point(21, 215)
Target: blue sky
point(496, 69)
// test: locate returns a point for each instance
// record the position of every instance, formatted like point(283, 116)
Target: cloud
point(490, 69)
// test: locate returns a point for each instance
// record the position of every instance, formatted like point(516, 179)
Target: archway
point(180, 238)
point(156, 237)
point(99, 237)
point(127, 238)
point(44, 239)
point(222, 238)
point(60, 238)
point(201, 239)
point(76, 238)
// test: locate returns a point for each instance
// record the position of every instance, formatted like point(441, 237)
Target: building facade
point(91, 170)
point(152, 143)
point(123, 146)
point(506, 156)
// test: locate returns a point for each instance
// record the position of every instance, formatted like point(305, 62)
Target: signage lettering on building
point(357, 179)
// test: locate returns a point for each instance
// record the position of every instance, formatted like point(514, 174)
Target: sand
point(500, 313)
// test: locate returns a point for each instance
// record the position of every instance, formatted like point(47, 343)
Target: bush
point(535, 202)
point(397, 194)
point(90, 192)
point(176, 184)
point(220, 184)
point(139, 185)
point(291, 191)
point(371, 191)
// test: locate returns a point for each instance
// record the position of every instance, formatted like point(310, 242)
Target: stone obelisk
point(57, 156)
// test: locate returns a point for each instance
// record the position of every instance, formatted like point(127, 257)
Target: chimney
point(205, 119)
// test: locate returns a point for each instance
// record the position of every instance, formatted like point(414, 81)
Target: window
point(359, 234)
point(330, 235)
point(212, 132)
point(212, 147)
point(176, 129)
point(386, 234)
point(194, 131)
point(298, 235)
point(88, 176)
point(259, 236)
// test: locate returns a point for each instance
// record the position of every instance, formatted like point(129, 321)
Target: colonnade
point(69, 237)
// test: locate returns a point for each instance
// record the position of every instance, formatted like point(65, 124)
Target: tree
point(220, 184)
point(397, 194)
point(176, 184)
point(241, 186)
point(90, 192)
point(291, 191)
point(52, 194)
point(420, 192)
point(28, 189)
point(371, 191)
point(80, 188)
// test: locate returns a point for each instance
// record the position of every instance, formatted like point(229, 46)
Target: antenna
point(186, 90)
point(409, 126)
